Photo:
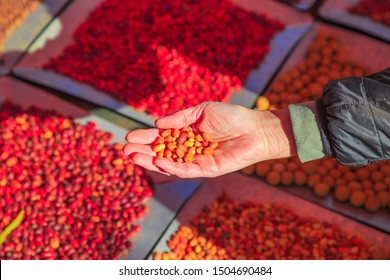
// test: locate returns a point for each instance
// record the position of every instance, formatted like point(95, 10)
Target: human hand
point(245, 137)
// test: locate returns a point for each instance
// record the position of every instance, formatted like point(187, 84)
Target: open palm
point(242, 141)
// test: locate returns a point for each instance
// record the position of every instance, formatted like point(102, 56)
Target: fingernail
point(123, 152)
point(164, 173)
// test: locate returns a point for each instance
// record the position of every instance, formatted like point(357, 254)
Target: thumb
point(181, 118)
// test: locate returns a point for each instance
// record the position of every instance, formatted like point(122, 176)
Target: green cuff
point(306, 132)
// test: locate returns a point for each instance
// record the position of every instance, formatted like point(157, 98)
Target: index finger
point(142, 136)
point(181, 118)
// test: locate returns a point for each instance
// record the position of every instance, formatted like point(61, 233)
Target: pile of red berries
point(77, 197)
point(377, 10)
point(161, 56)
point(245, 231)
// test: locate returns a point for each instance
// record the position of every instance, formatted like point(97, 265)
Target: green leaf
point(13, 225)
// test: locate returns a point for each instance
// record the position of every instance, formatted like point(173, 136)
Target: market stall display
point(67, 191)
point(328, 53)
point(238, 217)
point(370, 16)
point(12, 13)
point(377, 10)
point(20, 23)
point(177, 68)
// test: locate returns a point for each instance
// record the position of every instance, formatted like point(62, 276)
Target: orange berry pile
point(182, 145)
point(233, 230)
point(12, 13)
point(367, 187)
point(325, 60)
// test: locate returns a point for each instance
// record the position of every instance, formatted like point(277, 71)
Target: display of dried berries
point(12, 13)
point(232, 230)
point(65, 191)
point(368, 186)
point(162, 56)
point(377, 10)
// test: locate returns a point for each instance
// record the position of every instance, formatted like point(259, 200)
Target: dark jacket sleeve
point(355, 117)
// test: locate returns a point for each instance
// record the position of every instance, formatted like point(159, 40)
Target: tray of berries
point(370, 16)
point(238, 217)
point(66, 190)
point(147, 59)
point(21, 22)
point(329, 53)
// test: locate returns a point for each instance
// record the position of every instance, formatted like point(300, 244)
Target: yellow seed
point(262, 103)
point(3, 182)
point(205, 136)
point(180, 152)
point(188, 158)
point(66, 123)
point(199, 150)
point(119, 146)
point(157, 256)
point(202, 240)
point(169, 139)
point(166, 133)
point(208, 151)
point(201, 255)
point(191, 134)
point(192, 255)
point(208, 245)
point(221, 252)
point(199, 138)
point(189, 143)
point(158, 148)
point(11, 161)
point(95, 219)
point(175, 133)
point(194, 242)
point(54, 243)
point(167, 154)
point(20, 120)
point(185, 229)
point(198, 249)
point(160, 153)
point(130, 169)
point(198, 144)
point(191, 151)
point(213, 145)
point(213, 250)
point(159, 140)
point(171, 146)
point(48, 134)
point(117, 161)
point(97, 177)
